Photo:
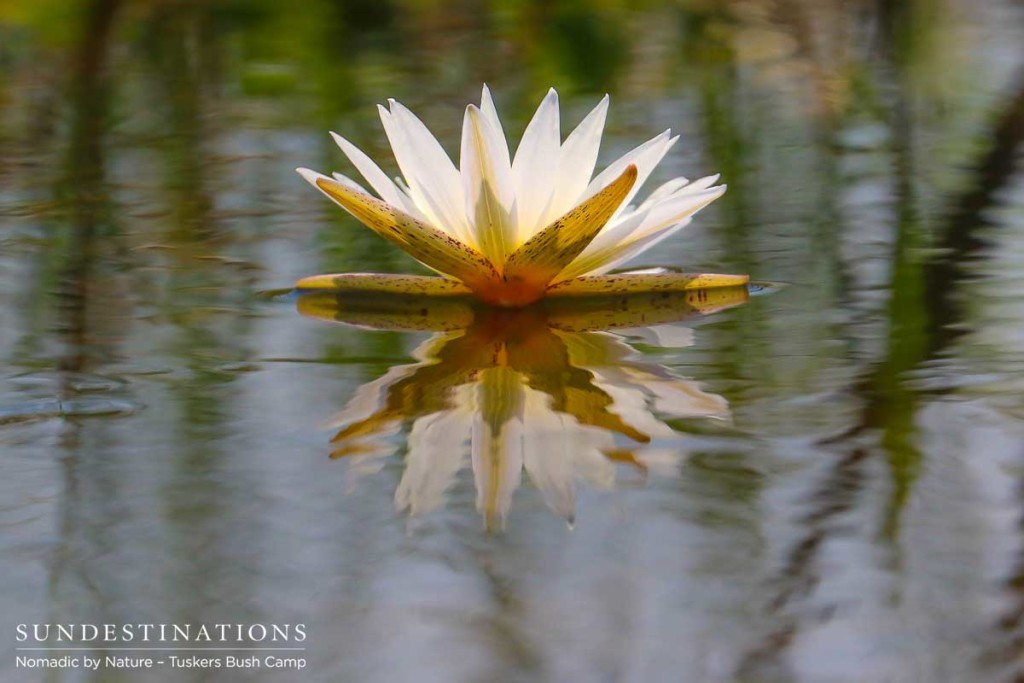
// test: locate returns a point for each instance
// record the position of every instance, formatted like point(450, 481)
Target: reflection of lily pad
point(389, 311)
point(454, 311)
point(617, 311)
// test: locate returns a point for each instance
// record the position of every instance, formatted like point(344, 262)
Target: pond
point(819, 478)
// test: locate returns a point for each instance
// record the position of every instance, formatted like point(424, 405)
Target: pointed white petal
point(658, 217)
point(535, 166)
point(638, 232)
point(592, 465)
point(378, 180)
point(638, 393)
point(502, 158)
point(491, 114)
point(557, 448)
point(497, 441)
point(345, 180)
point(663, 191)
point(548, 460)
point(370, 397)
point(703, 183)
point(646, 157)
point(664, 336)
point(577, 158)
point(497, 467)
point(309, 175)
point(629, 399)
point(681, 398)
point(487, 185)
point(548, 452)
point(625, 254)
point(671, 211)
point(437, 451)
point(433, 181)
point(368, 400)
point(661, 462)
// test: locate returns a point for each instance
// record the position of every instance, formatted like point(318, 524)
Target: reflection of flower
point(515, 229)
point(532, 389)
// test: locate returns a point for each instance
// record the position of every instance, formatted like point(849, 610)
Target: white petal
point(437, 451)
point(664, 214)
point(497, 443)
point(378, 180)
point(637, 232)
point(624, 254)
point(673, 210)
point(646, 157)
point(310, 176)
point(548, 445)
point(535, 167)
point(680, 398)
point(435, 184)
point(491, 114)
point(661, 462)
point(556, 447)
point(497, 467)
point(372, 396)
point(368, 400)
point(487, 185)
point(577, 158)
point(345, 180)
point(664, 336)
point(703, 183)
point(629, 400)
point(629, 236)
point(663, 191)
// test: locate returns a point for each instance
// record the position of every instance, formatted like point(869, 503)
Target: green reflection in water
point(545, 389)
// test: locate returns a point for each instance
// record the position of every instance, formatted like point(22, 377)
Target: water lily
point(514, 229)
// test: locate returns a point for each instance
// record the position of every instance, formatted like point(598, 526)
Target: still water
point(823, 482)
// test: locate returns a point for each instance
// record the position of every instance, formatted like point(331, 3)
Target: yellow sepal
point(532, 266)
point(425, 243)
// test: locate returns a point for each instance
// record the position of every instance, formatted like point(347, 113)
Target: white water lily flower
point(514, 229)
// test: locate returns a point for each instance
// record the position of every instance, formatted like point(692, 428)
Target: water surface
point(820, 484)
